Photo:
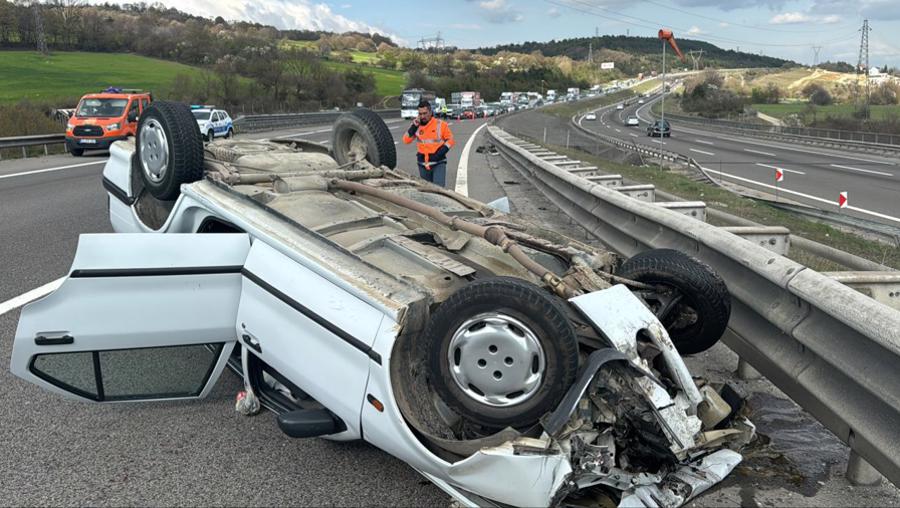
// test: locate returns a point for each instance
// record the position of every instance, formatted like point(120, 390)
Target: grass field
point(387, 82)
point(63, 77)
point(836, 110)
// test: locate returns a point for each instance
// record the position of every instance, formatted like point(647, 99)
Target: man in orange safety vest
point(434, 140)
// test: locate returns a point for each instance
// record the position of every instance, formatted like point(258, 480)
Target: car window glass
point(131, 374)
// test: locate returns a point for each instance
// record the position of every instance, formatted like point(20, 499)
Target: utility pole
point(816, 50)
point(591, 52)
point(862, 66)
point(39, 37)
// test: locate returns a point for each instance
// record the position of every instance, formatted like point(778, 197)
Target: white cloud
point(284, 14)
point(723, 24)
point(466, 26)
point(695, 30)
point(553, 12)
point(346, 6)
point(787, 18)
point(499, 11)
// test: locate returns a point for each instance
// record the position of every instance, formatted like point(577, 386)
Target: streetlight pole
point(662, 108)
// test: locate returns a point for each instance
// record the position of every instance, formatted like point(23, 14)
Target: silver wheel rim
point(496, 360)
point(154, 151)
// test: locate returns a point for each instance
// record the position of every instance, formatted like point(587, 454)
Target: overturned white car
point(506, 363)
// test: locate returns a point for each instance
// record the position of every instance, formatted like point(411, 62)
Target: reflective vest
point(430, 137)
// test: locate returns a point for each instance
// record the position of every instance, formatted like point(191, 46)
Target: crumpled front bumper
point(588, 449)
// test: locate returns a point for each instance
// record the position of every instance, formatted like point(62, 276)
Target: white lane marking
point(658, 141)
point(782, 190)
point(632, 134)
point(701, 151)
point(34, 294)
point(861, 170)
point(770, 154)
point(396, 142)
point(462, 170)
point(790, 148)
point(781, 168)
point(48, 170)
point(705, 142)
point(617, 130)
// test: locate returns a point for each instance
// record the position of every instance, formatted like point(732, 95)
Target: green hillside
point(387, 82)
point(63, 77)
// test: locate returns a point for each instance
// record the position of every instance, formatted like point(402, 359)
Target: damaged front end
point(635, 429)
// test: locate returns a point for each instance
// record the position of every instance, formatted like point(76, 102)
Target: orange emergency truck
point(103, 118)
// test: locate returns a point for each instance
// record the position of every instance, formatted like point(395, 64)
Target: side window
point(133, 111)
point(131, 374)
point(214, 225)
point(219, 116)
point(144, 104)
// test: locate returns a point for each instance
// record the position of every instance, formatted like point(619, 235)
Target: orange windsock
point(667, 35)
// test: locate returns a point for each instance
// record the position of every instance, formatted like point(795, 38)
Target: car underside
point(525, 368)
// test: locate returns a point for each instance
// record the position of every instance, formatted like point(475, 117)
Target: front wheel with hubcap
point(501, 352)
point(169, 149)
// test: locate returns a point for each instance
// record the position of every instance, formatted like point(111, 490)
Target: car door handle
point(252, 342)
point(44, 340)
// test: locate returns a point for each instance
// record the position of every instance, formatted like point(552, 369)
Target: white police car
point(213, 123)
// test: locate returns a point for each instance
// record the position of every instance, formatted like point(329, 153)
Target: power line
point(436, 42)
point(816, 50)
point(696, 55)
point(654, 25)
point(738, 24)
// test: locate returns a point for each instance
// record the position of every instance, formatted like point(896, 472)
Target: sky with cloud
point(783, 28)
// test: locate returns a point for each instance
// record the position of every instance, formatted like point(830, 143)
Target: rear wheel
point(77, 152)
point(501, 352)
point(229, 134)
point(169, 149)
point(362, 134)
point(210, 136)
point(693, 304)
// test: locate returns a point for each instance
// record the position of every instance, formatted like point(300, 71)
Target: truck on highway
point(573, 94)
point(508, 98)
point(551, 95)
point(104, 118)
point(470, 99)
point(409, 101)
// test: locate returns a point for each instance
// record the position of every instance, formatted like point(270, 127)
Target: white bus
point(409, 101)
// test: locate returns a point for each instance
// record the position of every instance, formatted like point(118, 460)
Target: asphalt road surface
point(60, 452)
point(813, 176)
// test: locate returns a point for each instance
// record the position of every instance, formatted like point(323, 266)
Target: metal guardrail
point(830, 347)
point(24, 142)
point(258, 123)
point(833, 138)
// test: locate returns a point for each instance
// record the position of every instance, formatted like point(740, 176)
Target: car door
point(310, 329)
point(139, 317)
point(218, 123)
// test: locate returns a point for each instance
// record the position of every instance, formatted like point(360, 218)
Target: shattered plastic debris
point(246, 403)
point(683, 484)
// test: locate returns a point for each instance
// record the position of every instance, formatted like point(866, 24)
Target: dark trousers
point(436, 175)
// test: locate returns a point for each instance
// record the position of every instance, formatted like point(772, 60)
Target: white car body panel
point(330, 369)
point(117, 297)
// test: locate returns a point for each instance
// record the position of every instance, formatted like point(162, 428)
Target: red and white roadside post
point(843, 200)
point(779, 177)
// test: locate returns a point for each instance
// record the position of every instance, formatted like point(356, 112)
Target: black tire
point(534, 307)
point(77, 152)
point(185, 148)
point(229, 134)
point(210, 136)
point(702, 290)
point(379, 143)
